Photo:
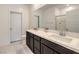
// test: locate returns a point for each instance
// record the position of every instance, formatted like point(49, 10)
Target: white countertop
point(53, 37)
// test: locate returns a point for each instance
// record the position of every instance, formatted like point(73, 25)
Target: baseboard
point(17, 41)
point(22, 38)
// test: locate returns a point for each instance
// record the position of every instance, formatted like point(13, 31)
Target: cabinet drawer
point(36, 51)
point(36, 37)
point(57, 47)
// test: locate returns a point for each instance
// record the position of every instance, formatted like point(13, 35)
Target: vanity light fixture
point(69, 8)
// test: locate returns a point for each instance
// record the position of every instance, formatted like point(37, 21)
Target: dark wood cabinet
point(28, 39)
point(36, 51)
point(31, 43)
point(40, 45)
point(46, 50)
point(57, 48)
point(37, 44)
point(37, 37)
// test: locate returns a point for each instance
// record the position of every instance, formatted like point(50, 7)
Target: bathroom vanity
point(41, 42)
point(57, 18)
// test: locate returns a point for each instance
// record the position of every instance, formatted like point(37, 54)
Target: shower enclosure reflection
point(59, 17)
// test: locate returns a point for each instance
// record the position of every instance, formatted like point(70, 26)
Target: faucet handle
point(46, 28)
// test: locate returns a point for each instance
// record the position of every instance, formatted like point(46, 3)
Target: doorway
point(15, 26)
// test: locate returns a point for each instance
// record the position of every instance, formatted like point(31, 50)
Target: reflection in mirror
point(48, 18)
point(60, 17)
point(73, 20)
point(60, 22)
point(36, 22)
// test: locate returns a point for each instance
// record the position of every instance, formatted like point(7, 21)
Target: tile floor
point(18, 47)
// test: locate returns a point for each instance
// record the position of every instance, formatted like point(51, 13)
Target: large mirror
point(72, 21)
point(59, 17)
point(68, 18)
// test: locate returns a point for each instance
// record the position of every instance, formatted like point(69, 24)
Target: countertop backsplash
point(72, 34)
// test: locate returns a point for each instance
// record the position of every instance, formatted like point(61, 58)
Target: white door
point(15, 26)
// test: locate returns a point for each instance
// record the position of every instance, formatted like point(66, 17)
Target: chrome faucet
point(62, 33)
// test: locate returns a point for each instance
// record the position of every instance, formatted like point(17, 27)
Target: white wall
point(5, 20)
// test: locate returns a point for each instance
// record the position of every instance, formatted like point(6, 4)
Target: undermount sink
point(56, 36)
point(61, 38)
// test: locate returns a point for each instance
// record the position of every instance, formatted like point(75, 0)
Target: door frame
point(10, 23)
point(38, 20)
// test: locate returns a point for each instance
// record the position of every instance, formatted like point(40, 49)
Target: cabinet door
point(37, 44)
point(37, 37)
point(46, 50)
point(31, 43)
point(28, 42)
point(27, 39)
point(36, 51)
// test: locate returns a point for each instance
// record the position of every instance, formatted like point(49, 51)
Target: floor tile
point(18, 47)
